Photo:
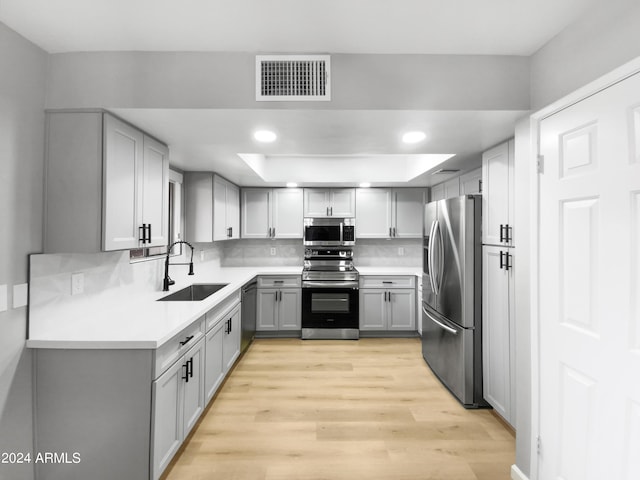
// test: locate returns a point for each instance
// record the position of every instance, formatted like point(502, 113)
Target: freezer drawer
point(452, 353)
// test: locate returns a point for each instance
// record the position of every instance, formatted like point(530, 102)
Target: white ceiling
point(212, 139)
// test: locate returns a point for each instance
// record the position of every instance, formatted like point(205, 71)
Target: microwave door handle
point(341, 233)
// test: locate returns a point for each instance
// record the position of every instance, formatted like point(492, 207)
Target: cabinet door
point(232, 211)
point(290, 309)
point(437, 193)
point(167, 417)
point(267, 310)
point(219, 209)
point(198, 207)
point(214, 368)
point(402, 309)
point(193, 387)
point(496, 331)
point(408, 212)
point(256, 212)
point(155, 191)
point(231, 341)
point(373, 309)
point(343, 202)
point(316, 202)
point(287, 212)
point(471, 182)
point(122, 193)
point(373, 207)
point(452, 188)
point(496, 179)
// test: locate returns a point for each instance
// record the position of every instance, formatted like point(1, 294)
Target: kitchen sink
point(194, 293)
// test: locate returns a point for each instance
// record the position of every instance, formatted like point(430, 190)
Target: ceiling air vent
point(293, 78)
point(444, 171)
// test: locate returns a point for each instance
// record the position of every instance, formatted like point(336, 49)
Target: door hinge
point(479, 186)
point(540, 163)
point(538, 444)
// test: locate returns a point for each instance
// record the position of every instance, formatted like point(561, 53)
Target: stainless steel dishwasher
point(248, 320)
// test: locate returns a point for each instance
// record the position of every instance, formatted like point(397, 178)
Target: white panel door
point(220, 231)
point(496, 185)
point(155, 191)
point(589, 297)
point(286, 213)
point(496, 334)
point(402, 309)
point(167, 417)
point(373, 212)
point(452, 188)
point(437, 193)
point(194, 394)
point(408, 212)
point(471, 182)
point(316, 202)
point(373, 309)
point(289, 309)
point(232, 212)
point(267, 309)
point(231, 340)
point(343, 202)
point(256, 212)
point(122, 195)
point(214, 369)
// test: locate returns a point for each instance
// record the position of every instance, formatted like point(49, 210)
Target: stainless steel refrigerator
point(452, 295)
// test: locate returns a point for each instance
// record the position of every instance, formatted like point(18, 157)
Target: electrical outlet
point(272, 251)
point(401, 251)
point(77, 283)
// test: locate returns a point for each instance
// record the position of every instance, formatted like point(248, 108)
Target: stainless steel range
point(329, 294)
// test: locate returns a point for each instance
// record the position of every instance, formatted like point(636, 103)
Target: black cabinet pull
point(230, 325)
point(186, 340)
point(501, 259)
point(501, 235)
point(507, 263)
point(185, 377)
point(149, 233)
point(142, 233)
point(190, 367)
point(507, 233)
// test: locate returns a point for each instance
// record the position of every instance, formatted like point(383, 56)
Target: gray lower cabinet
point(178, 402)
point(279, 304)
point(126, 412)
point(387, 303)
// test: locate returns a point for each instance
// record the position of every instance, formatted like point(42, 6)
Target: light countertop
point(117, 320)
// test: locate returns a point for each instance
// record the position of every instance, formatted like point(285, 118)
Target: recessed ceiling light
point(365, 185)
point(265, 136)
point(413, 137)
point(292, 184)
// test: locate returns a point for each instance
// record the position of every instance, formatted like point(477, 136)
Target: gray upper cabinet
point(498, 195)
point(212, 208)
point(332, 202)
point(272, 213)
point(389, 213)
point(471, 182)
point(106, 185)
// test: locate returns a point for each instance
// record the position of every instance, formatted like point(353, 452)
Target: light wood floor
point(366, 409)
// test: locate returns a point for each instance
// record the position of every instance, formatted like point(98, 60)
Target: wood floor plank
point(333, 410)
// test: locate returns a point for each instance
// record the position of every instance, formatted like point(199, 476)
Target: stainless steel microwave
point(329, 232)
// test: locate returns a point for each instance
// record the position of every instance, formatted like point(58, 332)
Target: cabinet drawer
point(172, 350)
point(214, 315)
point(282, 281)
point(394, 281)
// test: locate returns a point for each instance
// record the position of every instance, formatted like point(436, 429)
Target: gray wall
point(602, 40)
point(22, 90)
point(194, 80)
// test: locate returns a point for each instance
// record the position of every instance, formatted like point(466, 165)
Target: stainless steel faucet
point(167, 280)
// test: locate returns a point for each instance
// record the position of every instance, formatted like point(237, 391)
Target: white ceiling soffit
point(341, 169)
point(488, 27)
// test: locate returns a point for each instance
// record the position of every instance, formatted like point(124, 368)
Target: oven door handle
point(319, 284)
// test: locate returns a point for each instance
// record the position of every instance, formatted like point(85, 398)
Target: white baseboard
point(516, 474)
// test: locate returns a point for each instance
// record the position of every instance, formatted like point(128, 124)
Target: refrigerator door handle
point(440, 324)
point(430, 258)
point(440, 273)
